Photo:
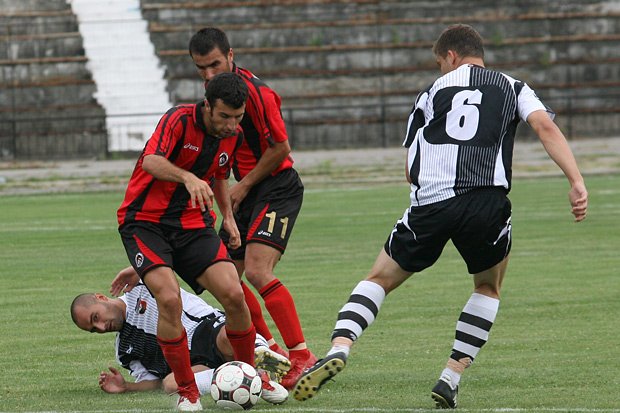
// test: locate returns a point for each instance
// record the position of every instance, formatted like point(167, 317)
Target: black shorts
point(268, 213)
point(188, 252)
point(478, 223)
point(204, 342)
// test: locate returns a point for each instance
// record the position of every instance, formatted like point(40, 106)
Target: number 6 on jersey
point(462, 120)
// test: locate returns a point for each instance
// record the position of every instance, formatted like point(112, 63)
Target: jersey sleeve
point(139, 373)
point(528, 102)
point(166, 133)
point(274, 122)
point(195, 306)
point(416, 119)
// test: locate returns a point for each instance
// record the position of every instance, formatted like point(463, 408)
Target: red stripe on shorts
point(257, 222)
point(148, 253)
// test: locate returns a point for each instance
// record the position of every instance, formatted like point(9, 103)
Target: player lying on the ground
point(134, 317)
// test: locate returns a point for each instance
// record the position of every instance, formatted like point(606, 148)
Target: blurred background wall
point(90, 78)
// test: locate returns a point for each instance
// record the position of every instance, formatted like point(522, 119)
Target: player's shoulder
point(178, 112)
point(182, 108)
point(255, 84)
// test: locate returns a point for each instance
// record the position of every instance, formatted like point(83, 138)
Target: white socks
point(339, 349)
point(203, 381)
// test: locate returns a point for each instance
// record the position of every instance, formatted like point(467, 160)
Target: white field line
point(363, 410)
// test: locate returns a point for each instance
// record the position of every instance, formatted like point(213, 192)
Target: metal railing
point(381, 121)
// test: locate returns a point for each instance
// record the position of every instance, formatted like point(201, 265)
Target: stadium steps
point(47, 108)
point(323, 59)
point(129, 77)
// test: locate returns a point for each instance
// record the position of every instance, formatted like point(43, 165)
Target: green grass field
point(553, 347)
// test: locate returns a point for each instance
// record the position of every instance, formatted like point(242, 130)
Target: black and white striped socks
point(360, 310)
point(472, 332)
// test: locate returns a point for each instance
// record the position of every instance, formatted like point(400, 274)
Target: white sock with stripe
point(360, 310)
point(472, 332)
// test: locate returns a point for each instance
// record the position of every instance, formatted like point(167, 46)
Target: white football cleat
point(186, 405)
point(273, 392)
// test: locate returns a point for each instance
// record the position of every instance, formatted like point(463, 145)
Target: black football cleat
point(444, 395)
point(313, 378)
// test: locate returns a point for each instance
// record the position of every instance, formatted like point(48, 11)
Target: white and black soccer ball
point(236, 386)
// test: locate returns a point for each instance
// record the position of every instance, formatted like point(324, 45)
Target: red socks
point(242, 343)
point(256, 313)
point(176, 353)
point(281, 307)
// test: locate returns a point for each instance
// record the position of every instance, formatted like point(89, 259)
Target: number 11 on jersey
point(272, 223)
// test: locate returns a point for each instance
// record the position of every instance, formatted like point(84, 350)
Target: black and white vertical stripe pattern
point(473, 326)
point(443, 162)
point(483, 166)
point(360, 310)
point(136, 344)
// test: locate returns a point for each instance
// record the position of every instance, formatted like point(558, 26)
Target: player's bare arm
point(222, 197)
point(269, 161)
point(113, 382)
point(558, 149)
point(125, 280)
point(161, 168)
point(407, 174)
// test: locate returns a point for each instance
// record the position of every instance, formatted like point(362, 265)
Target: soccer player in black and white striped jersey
point(459, 142)
point(134, 317)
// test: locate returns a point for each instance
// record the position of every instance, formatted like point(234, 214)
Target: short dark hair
point(82, 300)
point(207, 39)
point(229, 87)
point(461, 38)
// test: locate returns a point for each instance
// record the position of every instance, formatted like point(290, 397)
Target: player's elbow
point(148, 163)
point(284, 148)
point(543, 125)
point(281, 150)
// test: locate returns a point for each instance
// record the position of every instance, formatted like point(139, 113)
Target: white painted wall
point(129, 77)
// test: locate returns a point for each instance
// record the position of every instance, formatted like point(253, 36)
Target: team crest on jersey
point(140, 306)
point(139, 259)
point(223, 159)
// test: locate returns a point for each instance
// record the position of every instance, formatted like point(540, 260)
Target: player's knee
point(490, 289)
point(385, 280)
point(169, 303)
point(169, 385)
point(258, 277)
point(232, 298)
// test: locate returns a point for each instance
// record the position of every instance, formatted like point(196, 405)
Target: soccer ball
point(236, 386)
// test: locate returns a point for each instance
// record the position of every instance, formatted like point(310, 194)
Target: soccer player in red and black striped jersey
point(167, 224)
point(266, 199)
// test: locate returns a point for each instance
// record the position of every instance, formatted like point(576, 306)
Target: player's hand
point(234, 237)
point(112, 382)
point(200, 192)
point(578, 197)
point(238, 192)
point(125, 280)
